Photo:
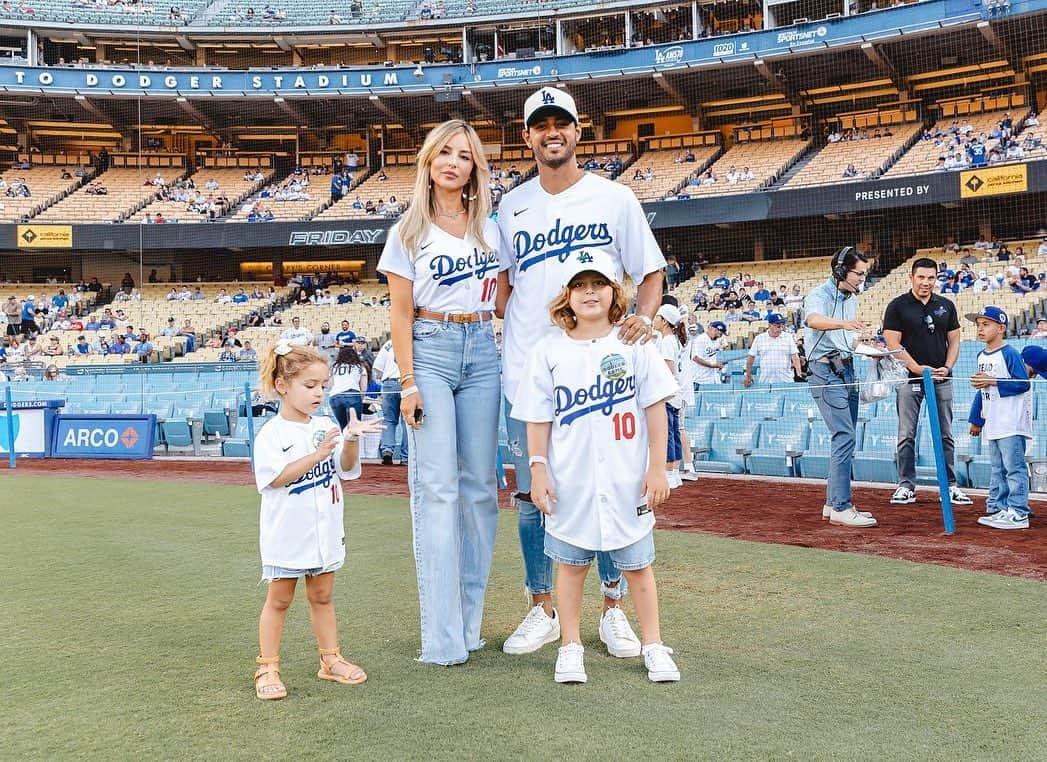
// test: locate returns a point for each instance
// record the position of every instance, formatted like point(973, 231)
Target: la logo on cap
point(548, 97)
point(585, 258)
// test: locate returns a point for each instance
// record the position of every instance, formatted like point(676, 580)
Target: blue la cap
point(990, 312)
point(719, 325)
point(775, 319)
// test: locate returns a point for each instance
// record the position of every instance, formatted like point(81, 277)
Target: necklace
point(450, 215)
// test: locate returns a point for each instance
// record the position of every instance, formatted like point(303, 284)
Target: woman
point(349, 377)
point(442, 267)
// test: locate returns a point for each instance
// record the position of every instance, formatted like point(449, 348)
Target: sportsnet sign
point(104, 437)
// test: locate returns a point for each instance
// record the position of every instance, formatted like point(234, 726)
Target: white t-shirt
point(774, 357)
point(299, 336)
point(687, 368)
point(704, 348)
point(669, 350)
point(385, 363)
point(540, 231)
point(450, 274)
point(595, 392)
point(345, 378)
point(301, 524)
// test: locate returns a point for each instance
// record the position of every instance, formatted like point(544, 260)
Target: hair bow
point(283, 347)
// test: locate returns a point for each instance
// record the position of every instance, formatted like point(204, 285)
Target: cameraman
point(833, 331)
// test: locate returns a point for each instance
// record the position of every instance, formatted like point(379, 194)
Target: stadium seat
point(717, 401)
point(762, 406)
point(815, 461)
point(778, 443)
point(236, 448)
point(728, 438)
point(876, 458)
point(181, 433)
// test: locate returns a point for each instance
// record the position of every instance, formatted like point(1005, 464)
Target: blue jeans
point(1010, 475)
point(452, 474)
point(391, 418)
point(909, 399)
point(538, 567)
point(341, 404)
point(839, 408)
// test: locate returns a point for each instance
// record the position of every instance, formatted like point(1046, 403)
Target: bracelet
point(646, 320)
point(406, 375)
point(409, 391)
point(537, 459)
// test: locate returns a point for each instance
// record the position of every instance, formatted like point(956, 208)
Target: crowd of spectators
point(961, 148)
point(971, 270)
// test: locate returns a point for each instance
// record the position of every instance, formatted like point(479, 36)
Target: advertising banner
point(104, 437)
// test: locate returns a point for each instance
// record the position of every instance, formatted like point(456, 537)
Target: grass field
point(130, 617)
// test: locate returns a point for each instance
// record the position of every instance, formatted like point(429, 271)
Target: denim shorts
point(271, 573)
point(639, 555)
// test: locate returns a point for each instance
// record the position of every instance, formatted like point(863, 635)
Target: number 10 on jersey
point(624, 425)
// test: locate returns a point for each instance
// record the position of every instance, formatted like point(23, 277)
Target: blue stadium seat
point(967, 448)
point(876, 458)
point(778, 440)
point(815, 461)
point(728, 436)
point(762, 406)
point(721, 403)
point(181, 432)
point(236, 448)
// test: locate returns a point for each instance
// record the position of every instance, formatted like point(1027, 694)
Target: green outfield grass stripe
point(130, 617)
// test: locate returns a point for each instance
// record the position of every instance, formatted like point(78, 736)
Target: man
point(345, 337)
point(247, 353)
point(563, 210)
point(833, 331)
point(926, 326)
point(363, 349)
point(776, 352)
point(13, 313)
point(326, 339)
point(388, 372)
point(296, 334)
point(705, 351)
point(143, 349)
point(171, 329)
point(1041, 329)
point(28, 317)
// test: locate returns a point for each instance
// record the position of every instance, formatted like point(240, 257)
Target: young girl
point(299, 461)
point(596, 431)
point(673, 339)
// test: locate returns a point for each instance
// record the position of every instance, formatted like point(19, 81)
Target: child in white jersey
point(1002, 414)
point(596, 431)
point(299, 461)
point(672, 338)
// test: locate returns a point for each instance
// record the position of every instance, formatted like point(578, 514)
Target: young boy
point(1002, 410)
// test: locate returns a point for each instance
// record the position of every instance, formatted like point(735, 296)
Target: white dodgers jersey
point(301, 523)
point(594, 392)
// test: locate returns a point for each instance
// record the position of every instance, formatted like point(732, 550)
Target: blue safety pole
point(250, 422)
point(10, 407)
point(931, 400)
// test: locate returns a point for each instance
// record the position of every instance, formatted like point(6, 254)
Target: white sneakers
point(851, 518)
point(688, 474)
point(673, 477)
point(903, 496)
point(537, 629)
point(958, 497)
point(617, 635)
point(827, 511)
point(660, 665)
point(1008, 518)
point(570, 664)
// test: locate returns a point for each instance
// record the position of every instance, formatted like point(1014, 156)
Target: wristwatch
point(537, 459)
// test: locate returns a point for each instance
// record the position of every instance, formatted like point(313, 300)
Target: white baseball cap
point(547, 101)
point(585, 261)
point(669, 313)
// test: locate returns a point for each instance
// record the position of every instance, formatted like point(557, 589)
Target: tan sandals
point(354, 676)
point(270, 691)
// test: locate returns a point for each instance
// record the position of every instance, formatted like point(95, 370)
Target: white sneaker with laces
point(851, 518)
point(903, 496)
point(827, 511)
point(617, 635)
point(537, 629)
point(958, 497)
point(1008, 518)
point(688, 476)
point(570, 664)
point(661, 668)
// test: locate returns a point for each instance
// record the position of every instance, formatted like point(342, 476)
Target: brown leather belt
point(454, 317)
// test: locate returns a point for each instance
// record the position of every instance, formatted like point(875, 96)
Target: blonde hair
point(562, 315)
point(476, 197)
point(273, 366)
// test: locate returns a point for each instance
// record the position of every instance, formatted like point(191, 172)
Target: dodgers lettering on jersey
point(448, 274)
point(595, 394)
point(1010, 413)
point(559, 241)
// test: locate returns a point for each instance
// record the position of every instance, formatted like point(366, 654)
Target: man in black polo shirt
point(926, 326)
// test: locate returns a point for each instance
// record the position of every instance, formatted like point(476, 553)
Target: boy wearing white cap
point(596, 430)
point(564, 212)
